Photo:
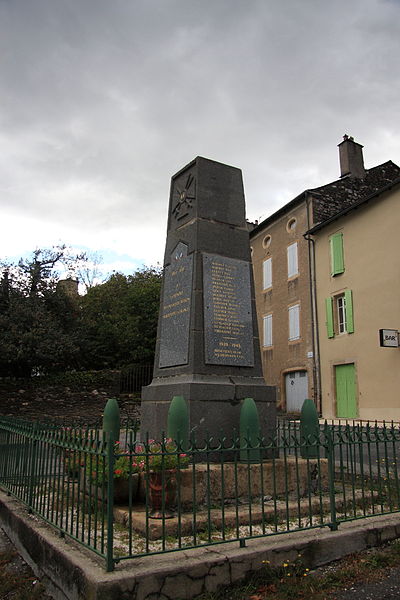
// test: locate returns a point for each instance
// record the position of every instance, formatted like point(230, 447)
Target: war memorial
point(207, 344)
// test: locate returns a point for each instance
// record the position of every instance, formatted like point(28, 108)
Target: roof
point(339, 195)
point(334, 197)
point(354, 206)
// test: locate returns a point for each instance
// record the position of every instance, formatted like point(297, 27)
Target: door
point(346, 405)
point(296, 383)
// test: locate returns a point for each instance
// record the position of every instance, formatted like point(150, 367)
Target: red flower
point(117, 472)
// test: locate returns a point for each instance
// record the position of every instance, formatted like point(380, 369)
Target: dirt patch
point(62, 403)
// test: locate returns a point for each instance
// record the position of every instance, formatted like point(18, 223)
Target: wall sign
point(389, 338)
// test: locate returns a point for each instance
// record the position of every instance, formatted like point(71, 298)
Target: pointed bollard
point(111, 419)
point(309, 430)
point(249, 432)
point(178, 422)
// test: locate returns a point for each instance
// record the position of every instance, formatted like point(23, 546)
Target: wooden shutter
point(294, 322)
point(267, 273)
point(337, 254)
point(329, 317)
point(293, 265)
point(348, 297)
point(267, 341)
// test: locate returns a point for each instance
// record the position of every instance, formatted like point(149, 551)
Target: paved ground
point(387, 589)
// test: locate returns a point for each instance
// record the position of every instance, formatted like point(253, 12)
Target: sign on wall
point(389, 338)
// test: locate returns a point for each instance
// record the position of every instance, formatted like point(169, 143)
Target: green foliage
point(120, 319)
point(48, 328)
point(159, 456)
point(38, 320)
point(124, 466)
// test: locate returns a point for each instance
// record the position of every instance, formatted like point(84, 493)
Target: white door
point(296, 390)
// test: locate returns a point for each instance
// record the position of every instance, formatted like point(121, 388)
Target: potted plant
point(161, 462)
point(127, 469)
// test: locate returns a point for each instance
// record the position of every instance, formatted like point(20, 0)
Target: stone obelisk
point(207, 343)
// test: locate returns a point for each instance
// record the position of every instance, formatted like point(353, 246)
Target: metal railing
point(211, 492)
point(134, 377)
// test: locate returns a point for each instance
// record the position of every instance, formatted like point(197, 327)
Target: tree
point(47, 327)
point(120, 319)
point(38, 321)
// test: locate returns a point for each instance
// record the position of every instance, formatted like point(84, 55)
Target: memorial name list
point(228, 325)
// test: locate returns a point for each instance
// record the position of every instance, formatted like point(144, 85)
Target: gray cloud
point(101, 102)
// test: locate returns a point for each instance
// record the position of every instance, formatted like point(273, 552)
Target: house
point(283, 265)
point(357, 268)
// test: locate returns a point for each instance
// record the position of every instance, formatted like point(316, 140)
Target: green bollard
point(178, 422)
point(249, 432)
point(309, 430)
point(111, 419)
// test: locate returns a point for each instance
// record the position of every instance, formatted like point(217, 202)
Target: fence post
point(110, 442)
point(249, 432)
point(111, 429)
point(330, 454)
point(309, 430)
point(111, 418)
point(32, 470)
point(178, 422)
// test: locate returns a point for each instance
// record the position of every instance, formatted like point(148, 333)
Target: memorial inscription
point(175, 312)
point(228, 325)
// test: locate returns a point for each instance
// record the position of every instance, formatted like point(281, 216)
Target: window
point(293, 267)
point(337, 254)
point(267, 273)
point(339, 314)
point(291, 225)
point(294, 322)
point(266, 241)
point(267, 331)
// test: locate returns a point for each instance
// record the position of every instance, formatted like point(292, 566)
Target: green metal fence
point(125, 498)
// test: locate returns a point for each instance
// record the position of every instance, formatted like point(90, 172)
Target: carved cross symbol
point(186, 198)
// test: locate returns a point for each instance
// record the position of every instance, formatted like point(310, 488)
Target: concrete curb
point(73, 573)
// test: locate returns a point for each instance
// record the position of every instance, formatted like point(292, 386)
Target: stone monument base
point(214, 404)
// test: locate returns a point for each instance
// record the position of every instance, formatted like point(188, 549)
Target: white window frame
point(267, 273)
point(267, 331)
point(341, 316)
point(292, 260)
point(294, 322)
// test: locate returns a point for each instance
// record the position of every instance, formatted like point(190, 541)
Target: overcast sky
point(101, 101)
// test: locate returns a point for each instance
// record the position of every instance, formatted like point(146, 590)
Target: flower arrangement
point(125, 465)
point(161, 456)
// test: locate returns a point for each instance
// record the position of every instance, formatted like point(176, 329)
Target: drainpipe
point(314, 313)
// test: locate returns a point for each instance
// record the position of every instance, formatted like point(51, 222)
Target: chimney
point(351, 158)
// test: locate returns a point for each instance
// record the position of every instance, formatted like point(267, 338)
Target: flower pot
point(162, 494)
point(123, 488)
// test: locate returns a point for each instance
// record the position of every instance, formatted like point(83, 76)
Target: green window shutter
point(329, 317)
point(348, 297)
point(337, 255)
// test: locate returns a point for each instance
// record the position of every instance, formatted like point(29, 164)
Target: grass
point(293, 580)
point(17, 582)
